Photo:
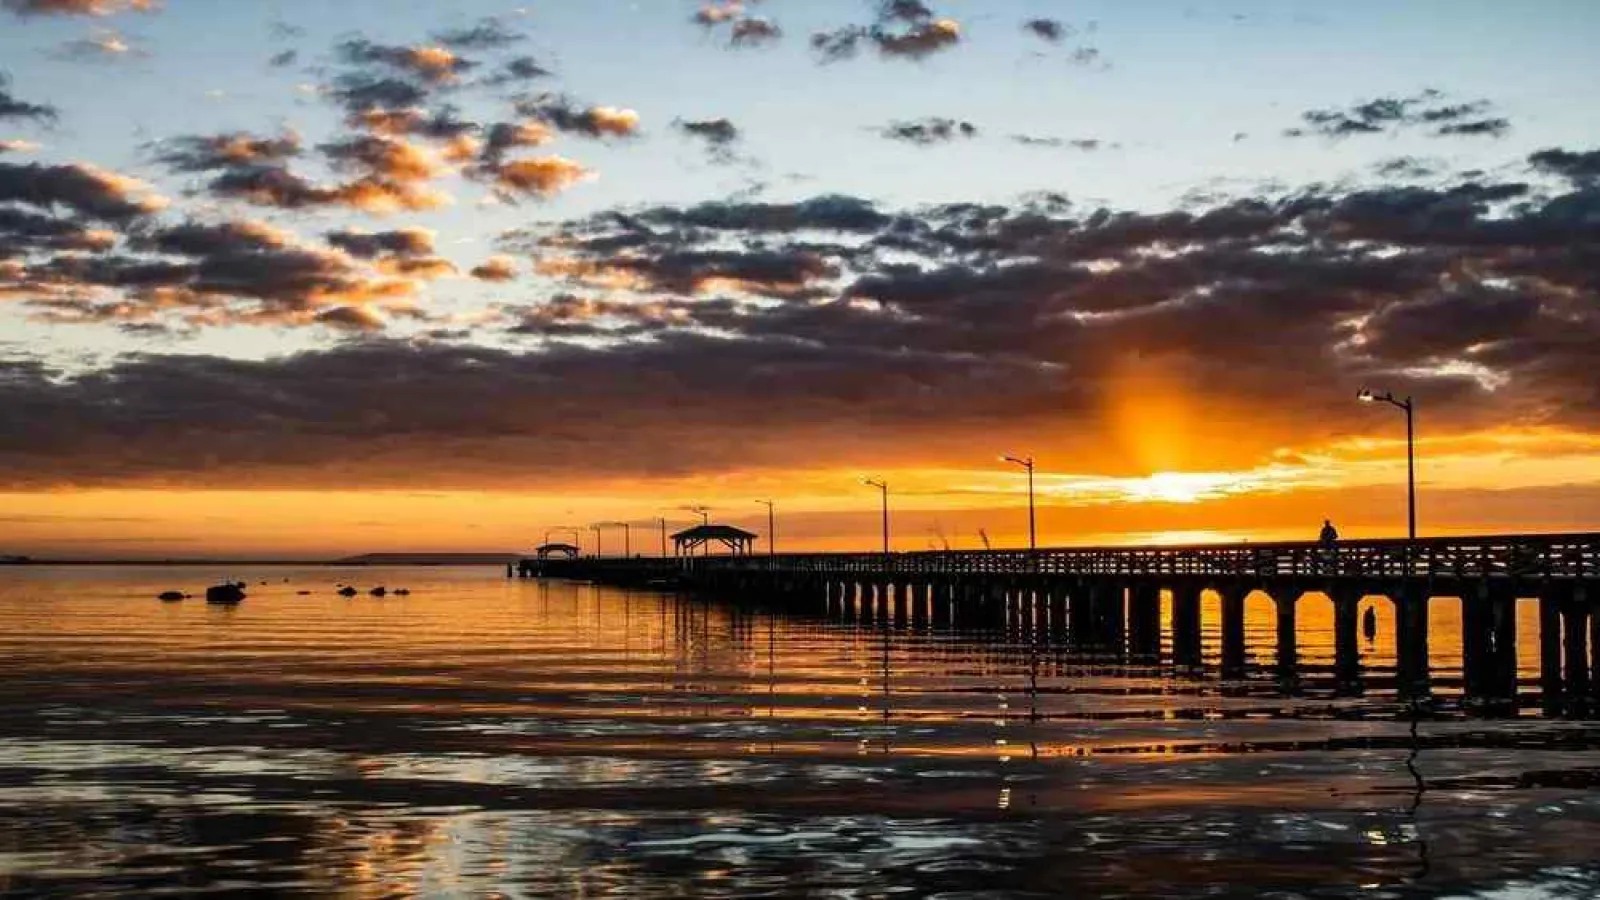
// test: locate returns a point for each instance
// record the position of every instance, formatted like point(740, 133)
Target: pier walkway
point(1113, 597)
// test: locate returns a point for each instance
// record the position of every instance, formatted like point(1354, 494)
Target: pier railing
point(1550, 556)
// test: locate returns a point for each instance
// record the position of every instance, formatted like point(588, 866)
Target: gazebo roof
point(714, 533)
point(558, 548)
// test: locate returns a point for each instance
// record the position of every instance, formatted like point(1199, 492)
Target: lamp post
point(663, 521)
point(772, 526)
point(705, 522)
point(1409, 408)
point(627, 537)
point(597, 551)
point(883, 488)
point(1027, 463)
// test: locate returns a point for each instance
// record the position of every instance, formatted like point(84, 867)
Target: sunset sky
point(288, 278)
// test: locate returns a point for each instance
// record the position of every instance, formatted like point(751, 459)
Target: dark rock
point(347, 592)
point(169, 596)
point(402, 592)
point(378, 591)
point(225, 594)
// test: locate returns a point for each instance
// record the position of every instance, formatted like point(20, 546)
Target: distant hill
point(430, 559)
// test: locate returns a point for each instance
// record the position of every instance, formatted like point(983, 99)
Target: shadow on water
point(548, 738)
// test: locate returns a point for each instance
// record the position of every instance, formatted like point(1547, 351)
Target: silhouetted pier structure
point(1110, 597)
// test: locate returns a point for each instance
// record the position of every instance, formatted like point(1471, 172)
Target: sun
point(1177, 487)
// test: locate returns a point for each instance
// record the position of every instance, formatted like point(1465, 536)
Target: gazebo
point(563, 551)
point(738, 541)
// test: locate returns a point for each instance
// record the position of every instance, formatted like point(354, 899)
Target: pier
point(1111, 598)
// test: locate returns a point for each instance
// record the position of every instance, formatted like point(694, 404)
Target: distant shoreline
point(438, 561)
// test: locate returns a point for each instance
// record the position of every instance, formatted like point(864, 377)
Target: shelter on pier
point(737, 541)
point(559, 551)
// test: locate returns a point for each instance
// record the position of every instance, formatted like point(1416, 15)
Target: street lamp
point(883, 487)
point(705, 522)
point(663, 522)
point(772, 526)
point(597, 551)
point(1409, 408)
point(627, 537)
point(1027, 463)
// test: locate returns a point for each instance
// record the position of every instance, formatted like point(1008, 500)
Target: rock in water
point(347, 592)
point(170, 596)
point(378, 592)
point(225, 594)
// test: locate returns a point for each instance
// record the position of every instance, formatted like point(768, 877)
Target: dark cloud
point(27, 8)
point(1493, 127)
point(427, 63)
point(907, 29)
point(80, 188)
point(504, 137)
point(1088, 145)
point(24, 233)
point(1029, 140)
point(217, 152)
point(518, 70)
point(284, 58)
point(13, 108)
point(277, 186)
point(1583, 168)
point(1427, 109)
point(487, 34)
point(754, 31)
point(203, 274)
point(719, 136)
point(370, 245)
point(929, 131)
point(361, 92)
point(1052, 30)
point(564, 114)
point(389, 173)
point(744, 30)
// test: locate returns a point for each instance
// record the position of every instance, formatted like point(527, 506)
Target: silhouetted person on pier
point(1369, 624)
point(1329, 539)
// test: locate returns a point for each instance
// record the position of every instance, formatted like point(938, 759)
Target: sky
point(308, 279)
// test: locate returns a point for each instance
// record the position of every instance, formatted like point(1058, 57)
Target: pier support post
point(1113, 608)
point(1081, 611)
point(1186, 652)
point(1346, 650)
point(1144, 623)
point(1575, 635)
point(1233, 632)
point(1477, 645)
point(1411, 642)
point(1288, 651)
point(1502, 685)
point(1550, 681)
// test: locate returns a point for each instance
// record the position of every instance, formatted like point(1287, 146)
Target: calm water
point(487, 738)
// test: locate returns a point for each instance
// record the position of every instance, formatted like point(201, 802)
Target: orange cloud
point(496, 268)
point(544, 176)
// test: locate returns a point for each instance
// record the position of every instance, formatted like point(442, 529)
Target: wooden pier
point(1110, 598)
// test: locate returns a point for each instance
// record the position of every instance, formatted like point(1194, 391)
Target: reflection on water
point(486, 737)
